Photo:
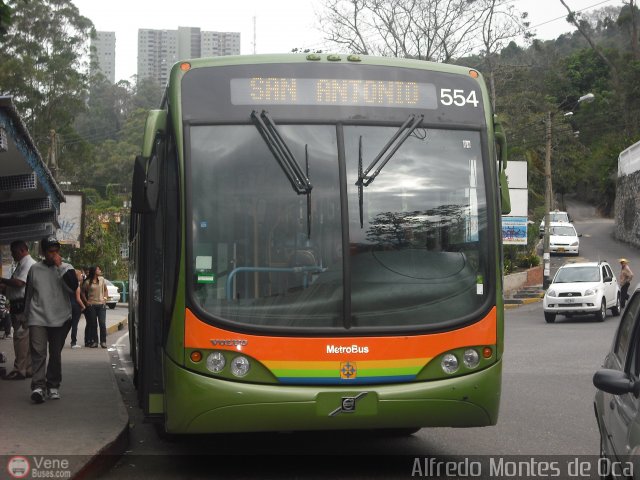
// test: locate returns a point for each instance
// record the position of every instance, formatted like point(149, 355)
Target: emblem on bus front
point(348, 370)
point(348, 404)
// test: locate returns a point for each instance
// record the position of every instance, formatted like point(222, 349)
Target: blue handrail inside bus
point(229, 287)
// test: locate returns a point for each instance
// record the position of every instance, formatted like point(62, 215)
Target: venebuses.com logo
point(19, 466)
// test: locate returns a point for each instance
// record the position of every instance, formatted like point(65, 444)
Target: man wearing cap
point(626, 275)
point(14, 289)
point(48, 312)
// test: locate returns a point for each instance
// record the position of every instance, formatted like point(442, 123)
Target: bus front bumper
point(195, 403)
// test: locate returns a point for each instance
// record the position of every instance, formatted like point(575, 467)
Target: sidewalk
point(89, 419)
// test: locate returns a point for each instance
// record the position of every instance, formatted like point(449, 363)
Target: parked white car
point(582, 288)
point(114, 294)
point(563, 238)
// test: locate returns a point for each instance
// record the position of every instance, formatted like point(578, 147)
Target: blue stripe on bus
point(344, 381)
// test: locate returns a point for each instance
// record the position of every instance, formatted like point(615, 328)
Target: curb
point(117, 326)
point(105, 459)
point(525, 301)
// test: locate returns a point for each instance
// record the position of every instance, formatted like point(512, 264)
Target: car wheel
point(111, 305)
point(602, 313)
point(550, 317)
point(615, 311)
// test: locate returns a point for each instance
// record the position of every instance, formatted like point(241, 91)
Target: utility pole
point(546, 255)
point(52, 159)
point(548, 193)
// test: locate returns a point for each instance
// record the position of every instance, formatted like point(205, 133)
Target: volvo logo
point(348, 404)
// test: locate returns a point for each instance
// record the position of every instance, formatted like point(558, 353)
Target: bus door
point(155, 247)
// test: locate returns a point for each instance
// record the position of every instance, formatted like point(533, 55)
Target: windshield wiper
point(299, 180)
point(281, 152)
point(398, 139)
point(407, 127)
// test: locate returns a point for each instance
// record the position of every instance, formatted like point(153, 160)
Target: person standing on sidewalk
point(48, 312)
point(626, 275)
point(14, 289)
point(77, 307)
point(95, 296)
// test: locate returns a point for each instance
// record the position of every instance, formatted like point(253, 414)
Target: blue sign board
point(514, 230)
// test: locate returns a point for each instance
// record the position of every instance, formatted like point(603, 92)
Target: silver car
point(617, 401)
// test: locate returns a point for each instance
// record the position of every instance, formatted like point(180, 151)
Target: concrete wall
point(627, 206)
point(515, 281)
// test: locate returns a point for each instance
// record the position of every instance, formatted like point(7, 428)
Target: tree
point(583, 28)
point(42, 64)
point(501, 23)
point(436, 30)
point(5, 18)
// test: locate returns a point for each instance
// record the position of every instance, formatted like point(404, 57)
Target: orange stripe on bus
point(199, 334)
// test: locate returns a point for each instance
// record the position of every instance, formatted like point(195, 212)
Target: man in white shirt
point(48, 312)
point(14, 289)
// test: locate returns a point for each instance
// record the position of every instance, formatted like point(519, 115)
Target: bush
point(519, 257)
point(528, 260)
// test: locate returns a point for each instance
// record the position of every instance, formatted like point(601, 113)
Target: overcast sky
point(280, 24)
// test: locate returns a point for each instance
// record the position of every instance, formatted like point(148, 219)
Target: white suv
point(582, 288)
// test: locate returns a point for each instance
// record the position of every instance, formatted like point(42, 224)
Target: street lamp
point(546, 255)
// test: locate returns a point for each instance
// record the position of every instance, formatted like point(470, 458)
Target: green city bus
point(315, 244)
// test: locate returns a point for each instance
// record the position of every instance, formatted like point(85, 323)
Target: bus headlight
point(240, 366)
point(449, 363)
point(216, 362)
point(471, 358)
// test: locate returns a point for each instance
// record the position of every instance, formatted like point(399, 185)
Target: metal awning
point(29, 195)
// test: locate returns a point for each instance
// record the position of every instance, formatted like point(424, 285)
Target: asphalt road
point(546, 407)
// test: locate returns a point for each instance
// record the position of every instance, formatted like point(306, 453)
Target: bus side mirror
point(146, 185)
point(146, 171)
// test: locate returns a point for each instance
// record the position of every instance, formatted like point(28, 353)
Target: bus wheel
point(550, 317)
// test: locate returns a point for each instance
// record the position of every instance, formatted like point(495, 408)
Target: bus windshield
point(264, 254)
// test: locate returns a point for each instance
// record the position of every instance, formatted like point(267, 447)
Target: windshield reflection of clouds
point(430, 184)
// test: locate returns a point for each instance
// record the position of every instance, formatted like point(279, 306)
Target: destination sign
point(332, 92)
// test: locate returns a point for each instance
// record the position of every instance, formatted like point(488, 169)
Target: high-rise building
point(220, 43)
point(158, 50)
point(105, 48)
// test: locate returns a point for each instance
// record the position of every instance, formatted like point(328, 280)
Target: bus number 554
point(458, 98)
